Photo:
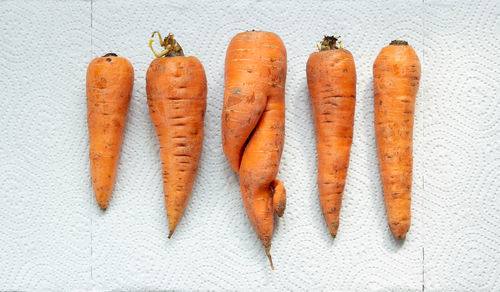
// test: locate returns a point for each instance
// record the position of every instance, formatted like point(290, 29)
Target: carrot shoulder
point(109, 86)
point(253, 124)
point(177, 89)
point(396, 75)
point(331, 78)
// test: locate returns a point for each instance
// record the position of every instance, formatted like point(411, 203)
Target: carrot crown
point(172, 48)
point(329, 43)
point(398, 43)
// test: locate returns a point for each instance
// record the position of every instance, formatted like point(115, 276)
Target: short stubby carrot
point(110, 80)
point(253, 124)
point(331, 78)
point(176, 87)
point(396, 78)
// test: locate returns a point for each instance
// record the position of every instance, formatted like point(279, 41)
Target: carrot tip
point(170, 234)
point(268, 253)
point(400, 236)
point(103, 206)
point(333, 235)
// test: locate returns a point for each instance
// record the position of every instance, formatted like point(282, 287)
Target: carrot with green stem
point(331, 78)
point(396, 78)
point(253, 125)
point(176, 87)
point(110, 80)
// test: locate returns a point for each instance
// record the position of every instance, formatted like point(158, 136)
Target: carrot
point(253, 124)
point(177, 96)
point(109, 86)
point(396, 77)
point(331, 78)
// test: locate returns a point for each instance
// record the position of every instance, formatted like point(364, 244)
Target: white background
point(54, 237)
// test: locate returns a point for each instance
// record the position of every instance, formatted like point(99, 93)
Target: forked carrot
point(253, 124)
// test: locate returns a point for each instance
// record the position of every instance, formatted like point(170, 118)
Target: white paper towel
point(53, 236)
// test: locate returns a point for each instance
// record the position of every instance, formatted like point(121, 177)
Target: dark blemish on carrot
point(108, 59)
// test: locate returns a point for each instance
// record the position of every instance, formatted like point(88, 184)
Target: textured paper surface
point(54, 237)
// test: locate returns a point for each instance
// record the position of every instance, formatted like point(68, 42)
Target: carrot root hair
point(268, 253)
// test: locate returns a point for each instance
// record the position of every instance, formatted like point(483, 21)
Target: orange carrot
point(109, 86)
point(177, 95)
point(396, 77)
point(253, 124)
point(331, 78)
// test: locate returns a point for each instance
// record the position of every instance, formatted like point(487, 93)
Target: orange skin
point(253, 124)
point(177, 98)
point(396, 76)
point(110, 80)
point(331, 78)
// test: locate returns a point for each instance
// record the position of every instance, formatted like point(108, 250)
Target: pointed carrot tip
point(268, 248)
point(103, 206)
point(333, 235)
point(400, 236)
point(399, 229)
point(171, 227)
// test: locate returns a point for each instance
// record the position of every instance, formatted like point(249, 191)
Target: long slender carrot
point(109, 86)
point(177, 94)
point(331, 78)
point(396, 77)
point(253, 124)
